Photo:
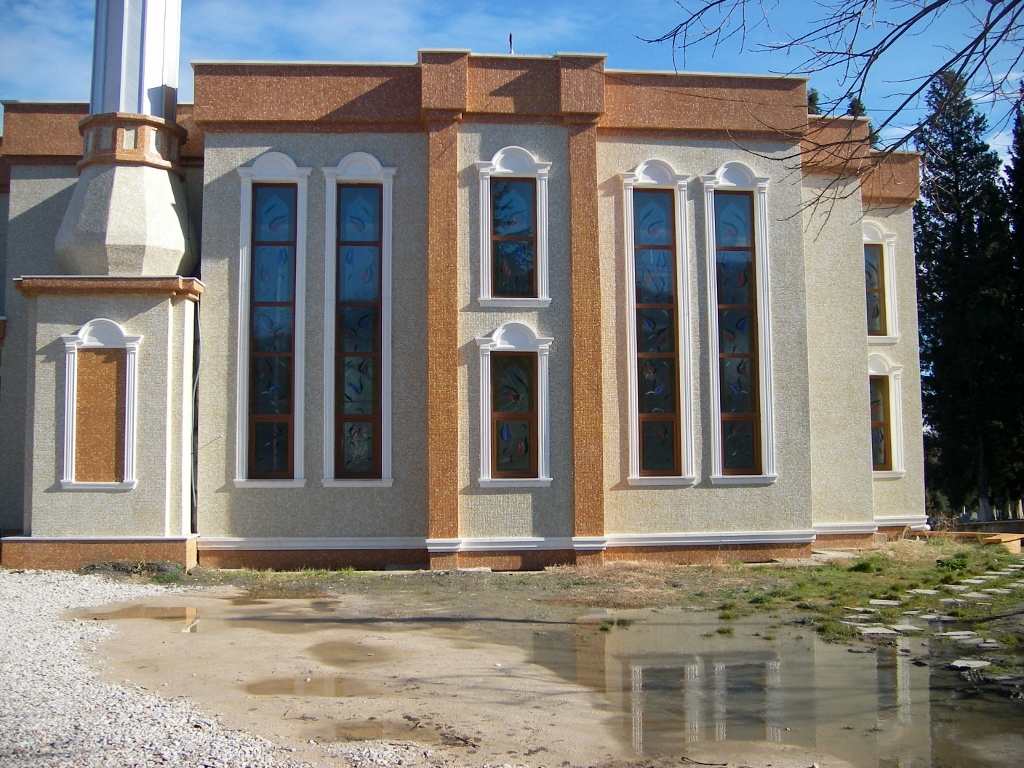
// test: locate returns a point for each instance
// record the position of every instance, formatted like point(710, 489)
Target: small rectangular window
point(514, 238)
point(881, 438)
point(514, 446)
point(654, 240)
point(357, 339)
point(738, 361)
point(272, 331)
point(874, 280)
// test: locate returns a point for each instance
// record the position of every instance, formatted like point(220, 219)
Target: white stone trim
point(514, 162)
point(270, 168)
point(97, 539)
point(270, 483)
point(286, 544)
point(735, 176)
point(847, 529)
point(100, 334)
point(875, 234)
point(880, 365)
point(358, 168)
point(711, 539)
point(656, 174)
point(914, 522)
point(500, 544)
point(514, 337)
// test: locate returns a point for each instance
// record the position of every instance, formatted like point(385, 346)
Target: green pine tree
point(966, 301)
point(813, 101)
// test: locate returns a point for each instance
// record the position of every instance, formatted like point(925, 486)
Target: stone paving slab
point(969, 664)
point(924, 592)
point(973, 581)
point(956, 587)
point(906, 628)
point(876, 631)
point(885, 603)
point(997, 591)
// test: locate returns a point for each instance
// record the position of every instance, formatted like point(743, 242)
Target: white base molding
point(309, 543)
point(915, 523)
point(845, 529)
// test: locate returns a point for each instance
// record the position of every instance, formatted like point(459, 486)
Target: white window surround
point(100, 334)
point(655, 174)
point(358, 168)
point(514, 337)
point(737, 177)
point(271, 168)
point(874, 234)
point(514, 162)
point(880, 365)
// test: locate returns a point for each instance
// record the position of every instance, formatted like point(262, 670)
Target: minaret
point(127, 216)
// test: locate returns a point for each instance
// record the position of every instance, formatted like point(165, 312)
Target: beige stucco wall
point(313, 510)
point(837, 353)
point(154, 507)
point(785, 505)
point(498, 512)
point(38, 198)
point(903, 496)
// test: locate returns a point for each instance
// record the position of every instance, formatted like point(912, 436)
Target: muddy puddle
point(563, 685)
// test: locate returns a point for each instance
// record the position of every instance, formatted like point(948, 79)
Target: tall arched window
point(885, 391)
point(880, 284)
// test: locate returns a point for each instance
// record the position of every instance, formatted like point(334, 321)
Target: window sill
point(881, 340)
point(662, 480)
point(487, 301)
point(73, 485)
point(515, 482)
point(744, 479)
point(278, 484)
point(358, 482)
point(888, 474)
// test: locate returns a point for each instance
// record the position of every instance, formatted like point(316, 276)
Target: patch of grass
point(835, 632)
point(724, 631)
point(165, 578)
point(870, 564)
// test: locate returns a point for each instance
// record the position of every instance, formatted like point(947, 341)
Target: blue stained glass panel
point(359, 328)
point(272, 329)
point(357, 446)
point(274, 210)
point(879, 447)
point(735, 271)
point(359, 214)
point(737, 385)
point(873, 266)
point(878, 396)
point(732, 221)
point(655, 277)
point(272, 385)
point(512, 208)
point(358, 393)
point(273, 278)
point(652, 217)
point(655, 330)
point(513, 377)
point(875, 320)
point(658, 447)
point(657, 385)
point(734, 331)
point(271, 446)
point(358, 273)
point(513, 268)
point(514, 441)
point(738, 439)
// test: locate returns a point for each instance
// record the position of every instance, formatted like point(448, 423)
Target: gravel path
point(53, 710)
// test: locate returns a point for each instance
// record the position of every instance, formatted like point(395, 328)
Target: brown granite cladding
point(835, 145)
point(442, 333)
point(191, 151)
point(72, 554)
point(299, 559)
point(587, 348)
point(581, 84)
point(47, 130)
point(99, 416)
point(516, 561)
point(844, 541)
point(891, 181)
point(3, 331)
point(254, 97)
point(746, 553)
point(5, 170)
point(444, 77)
point(172, 287)
point(776, 106)
point(513, 85)
point(122, 138)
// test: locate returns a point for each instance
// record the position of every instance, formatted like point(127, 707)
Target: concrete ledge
point(71, 554)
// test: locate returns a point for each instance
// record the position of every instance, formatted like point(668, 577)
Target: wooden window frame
point(529, 416)
point(880, 367)
point(874, 234)
point(884, 424)
point(496, 239)
point(879, 291)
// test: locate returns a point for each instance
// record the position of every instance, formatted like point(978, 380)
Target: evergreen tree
point(966, 302)
point(813, 101)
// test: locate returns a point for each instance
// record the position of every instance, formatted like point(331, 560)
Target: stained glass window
point(654, 265)
point(513, 238)
point(875, 288)
point(881, 451)
point(738, 362)
point(514, 414)
point(272, 331)
point(357, 406)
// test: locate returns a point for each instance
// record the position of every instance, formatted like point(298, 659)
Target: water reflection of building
point(672, 682)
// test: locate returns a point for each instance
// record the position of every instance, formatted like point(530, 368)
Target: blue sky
point(45, 45)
